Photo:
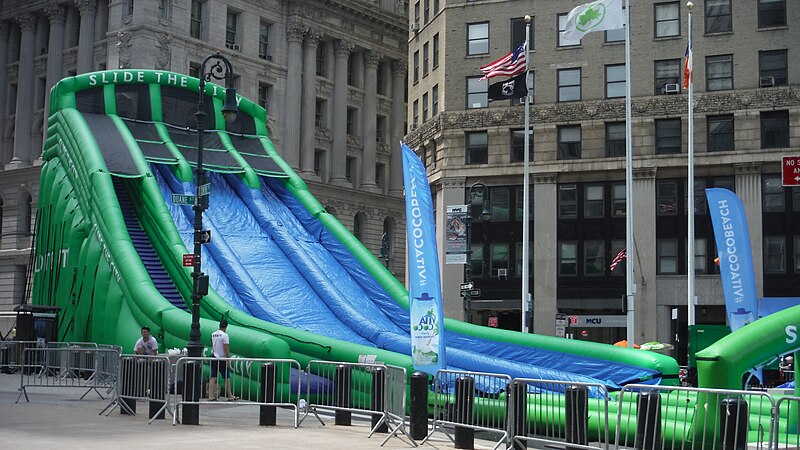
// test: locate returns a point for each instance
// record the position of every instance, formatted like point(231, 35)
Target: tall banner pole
point(690, 193)
point(630, 287)
point(526, 187)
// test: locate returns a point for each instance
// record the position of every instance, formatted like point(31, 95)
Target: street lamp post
point(220, 69)
point(477, 189)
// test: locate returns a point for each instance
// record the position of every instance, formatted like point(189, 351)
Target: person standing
point(220, 346)
point(147, 344)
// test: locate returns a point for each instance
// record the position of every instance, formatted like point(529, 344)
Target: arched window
point(359, 225)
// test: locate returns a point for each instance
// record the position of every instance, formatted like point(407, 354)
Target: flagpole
point(690, 193)
point(630, 287)
point(526, 188)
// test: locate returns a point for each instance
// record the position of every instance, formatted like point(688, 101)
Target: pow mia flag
point(509, 89)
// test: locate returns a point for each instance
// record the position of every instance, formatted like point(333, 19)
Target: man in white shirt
point(220, 346)
point(146, 345)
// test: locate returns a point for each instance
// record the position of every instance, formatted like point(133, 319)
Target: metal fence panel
point(145, 378)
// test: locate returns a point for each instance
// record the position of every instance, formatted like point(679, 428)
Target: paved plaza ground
point(57, 418)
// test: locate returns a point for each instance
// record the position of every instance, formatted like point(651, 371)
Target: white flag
point(595, 16)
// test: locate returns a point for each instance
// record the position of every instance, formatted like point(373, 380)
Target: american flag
point(687, 66)
point(509, 65)
point(617, 259)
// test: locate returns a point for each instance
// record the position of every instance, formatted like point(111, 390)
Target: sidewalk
point(56, 418)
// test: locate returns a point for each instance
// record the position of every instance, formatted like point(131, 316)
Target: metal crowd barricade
point(69, 367)
point(255, 381)
point(11, 354)
point(552, 413)
point(652, 417)
point(394, 404)
point(145, 378)
point(786, 424)
point(471, 400)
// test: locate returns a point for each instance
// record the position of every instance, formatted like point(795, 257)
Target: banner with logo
point(735, 256)
point(424, 285)
point(456, 237)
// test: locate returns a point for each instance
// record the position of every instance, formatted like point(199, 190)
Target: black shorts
point(220, 366)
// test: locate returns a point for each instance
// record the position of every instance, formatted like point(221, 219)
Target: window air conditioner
point(502, 273)
point(232, 46)
point(672, 88)
point(766, 81)
point(414, 26)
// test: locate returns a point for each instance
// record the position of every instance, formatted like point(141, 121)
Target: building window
point(521, 202)
point(569, 85)
point(196, 20)
point(319, 113)
point(667, 255)
point(617, 35)
point(425, 107)
point(319, 161)
point(615, 139)
point(263, 40)
point(567, 201)
point(351, 165)
point(477, 93)
point(518, 33)
point(667, 72)
point(359, 225)
point(719, 72)
point(264, 94)
point(351, 121)
point(435, 100)
point(415, 114)
point(773, 64)
point(500, 204)
point(380, 79)
point(380, 129)
point(771, 13)
point(425, 49)
point(518, 263)
point(667, 198)
point(774, 254)
point(718, 16)
point(416, 12)
point(477, 147)
point(668, 136)
point(231, 26)
point(593, 201)
point(796, 199)
point(164, 7)
point(129, 9)
point(618, 206)
point(797, 254)
point(476, 259)
point(720, 133)
point(774, 129)
point(594, 258)
point(518, 146)
point(569, 142)
point(772, 192)
point(477, 38)
point(700, 255)
point(321, 59)
point(435, 51)
point(615, 81)
point(668, 19)
point(194, 70)
point(427, 12)
point(562, 25)
point(567, 259)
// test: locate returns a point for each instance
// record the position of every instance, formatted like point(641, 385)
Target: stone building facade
point(331, 75)
point(747, 116)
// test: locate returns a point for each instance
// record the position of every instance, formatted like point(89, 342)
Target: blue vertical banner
point(735, 256)
point(424, 285)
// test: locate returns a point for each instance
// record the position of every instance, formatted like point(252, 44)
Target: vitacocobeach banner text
point(735, 256)
point(424, 285)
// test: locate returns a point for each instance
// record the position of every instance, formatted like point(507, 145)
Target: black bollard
point(464, 437)
point(519, 404)
point(418, 409)
point(576, 411)
point(343, 395)
point(733, 416)
point(158, 384)
point(378, 399)
point(267, 414)
point(648, 420)
point(192, 388)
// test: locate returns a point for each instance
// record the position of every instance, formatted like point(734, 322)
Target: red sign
point(493, 321)
point(791, 170)
point(188, 260)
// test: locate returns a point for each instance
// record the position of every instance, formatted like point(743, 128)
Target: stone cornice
point(544, 178)
point(748, 168)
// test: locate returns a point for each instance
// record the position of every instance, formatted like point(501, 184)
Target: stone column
point(399, 71)
point(309, 128)
point(4, 152)
point(748, 189)
point(371, 63)
point(644, 232)
point(544, 249)
point(55, 50)
point(451, 193)
point(339, 155)
point(87, 8)
point(25, 75)
point(294, 68)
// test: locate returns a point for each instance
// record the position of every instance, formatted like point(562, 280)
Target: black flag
point(509, 89)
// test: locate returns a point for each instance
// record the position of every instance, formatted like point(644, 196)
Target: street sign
point(181, 199)
point(467, 286)
point(475, 293)
point(791, 170)
point(204, 189)
point(205, 236)
point(188, 260)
